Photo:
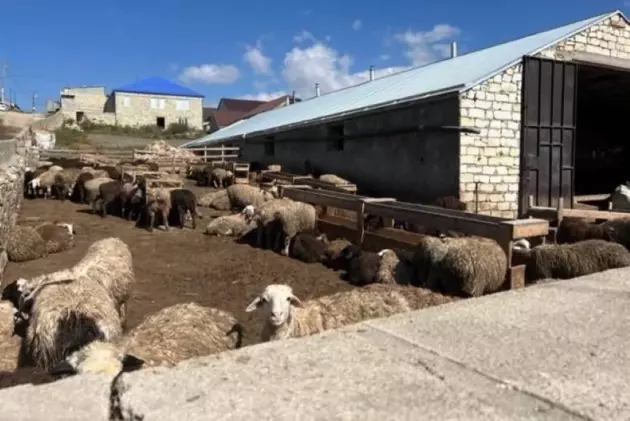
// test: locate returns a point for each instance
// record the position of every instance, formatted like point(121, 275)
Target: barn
point(539, 116)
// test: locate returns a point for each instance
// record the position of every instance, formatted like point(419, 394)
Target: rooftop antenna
point(371, 72)
point(453, 49)
point(317, 91)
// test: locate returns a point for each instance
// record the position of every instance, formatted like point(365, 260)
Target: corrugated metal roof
point(450, 75)
point(158, 86)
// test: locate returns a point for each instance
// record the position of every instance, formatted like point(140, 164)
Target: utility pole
point(3, 81)
point(34, 101)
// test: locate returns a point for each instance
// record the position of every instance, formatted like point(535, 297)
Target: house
point(231, 110)
point(148, 102)
point(540, 116)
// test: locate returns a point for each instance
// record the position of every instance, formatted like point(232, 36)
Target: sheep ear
point(253, 305)
point(295, 301)
point(323, 238)
point(62, 368)
point(132, 363)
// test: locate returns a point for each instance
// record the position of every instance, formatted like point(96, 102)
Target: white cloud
point(384, 57)
point(263, 96)
point(304, 36)
point(356, 25)
point(427, 46)
point(259, 63)
point(219, 74)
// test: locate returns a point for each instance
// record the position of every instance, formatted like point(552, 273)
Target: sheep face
point(275, 301)
point(521, 244)
point(69, 227)
point(249, 211)
point(97, 357)
point(384, 251)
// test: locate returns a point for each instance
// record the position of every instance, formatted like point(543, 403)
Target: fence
point(220, 153)
point(504, 231)
point(557, 214)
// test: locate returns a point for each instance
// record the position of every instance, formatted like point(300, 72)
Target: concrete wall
point(417, 167)
point(139, 111)
point(12, 167)
point(493, 158)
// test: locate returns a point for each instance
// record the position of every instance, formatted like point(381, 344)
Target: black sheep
point(78, 191)
point(108, 195)
point(308, 247)
point(28, 177)
point(112, 172)
point(182, 201)
point(361, 266)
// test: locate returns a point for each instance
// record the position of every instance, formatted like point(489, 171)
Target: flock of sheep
point(73, 320)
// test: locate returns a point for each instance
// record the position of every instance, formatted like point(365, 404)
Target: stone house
point(535, 117)
point(149, 102)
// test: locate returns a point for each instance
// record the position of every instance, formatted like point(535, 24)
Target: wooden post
point(515, 276)
point(560, 210)
point(173, 164)
point(360, 223)
point(205, 154)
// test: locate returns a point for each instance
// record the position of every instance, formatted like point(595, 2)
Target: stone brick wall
point(90, 100)
point(139, 111)
point(491, 160)
point(11, 192)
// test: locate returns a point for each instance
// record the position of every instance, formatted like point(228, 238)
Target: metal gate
point(548, 132)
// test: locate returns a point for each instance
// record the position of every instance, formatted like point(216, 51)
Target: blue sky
point(248, 48)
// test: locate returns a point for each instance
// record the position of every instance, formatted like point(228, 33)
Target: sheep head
point(521, 244)
point(69, 227)
point(276, 301)
point(249, 211)
point(97, 357)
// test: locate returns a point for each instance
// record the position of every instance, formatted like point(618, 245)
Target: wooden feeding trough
point(504, 231)
point(241, 172)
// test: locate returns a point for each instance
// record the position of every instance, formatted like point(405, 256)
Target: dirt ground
point(180, 265)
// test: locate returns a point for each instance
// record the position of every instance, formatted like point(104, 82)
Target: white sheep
point(229, 226)
point(393, 270)
point(333, 179)
point(263, 216)
point(285, 316)
point(66, 316)
point(241, 195)
point(97, 357)
point(91, 187)
point(294, 218)
point(9, 343)
point(620, 198)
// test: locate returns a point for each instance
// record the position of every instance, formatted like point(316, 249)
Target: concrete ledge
point(553, 351)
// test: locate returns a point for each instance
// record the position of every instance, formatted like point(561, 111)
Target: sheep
point(208, 198)
point(418, 298)
point(64, 317)
point(97, 357)
point(429, 251)
point(109, 262)
point(91, 188)
point(24, 244)
point(181, 332)
point(77, 191)
point(64, 181)
point(333, 179)
point(235, 225)
point(111, 172)
point(286, 316)
point(29, 175)
point(333, 258)
point(44, 182)
point(395, 268)
point(566, 261)
point(57, 236)
point(9, 342)
point(125, 196)
point(361, 266)
point(308, 247)
point(221, 177)
point(241, 195)
point(471, 267)
point(108, 193)
point(572, 230)
point(183, 201)
point(264, 218)
point(294, 218)
point(166, 338)
point(157, 200)
point(620, 198)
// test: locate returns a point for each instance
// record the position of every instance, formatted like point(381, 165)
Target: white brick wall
point(491, 159)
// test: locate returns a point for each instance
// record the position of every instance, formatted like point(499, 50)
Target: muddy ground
point(180, 265)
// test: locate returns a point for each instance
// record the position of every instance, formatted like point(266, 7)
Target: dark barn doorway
point(572, 144)
point(601, 150)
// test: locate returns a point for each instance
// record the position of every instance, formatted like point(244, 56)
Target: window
point(126, 101)
point(162, 103)
point(270, 147)
point(183, 121)
point(157, 103)
point(335, 140)
point(154, 103)
point(182, 105)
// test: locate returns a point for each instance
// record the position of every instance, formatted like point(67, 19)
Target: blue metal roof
point(158, 86)
point(451, 75)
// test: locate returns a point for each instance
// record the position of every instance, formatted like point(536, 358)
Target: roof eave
point(155, 93)
point(539, 50)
